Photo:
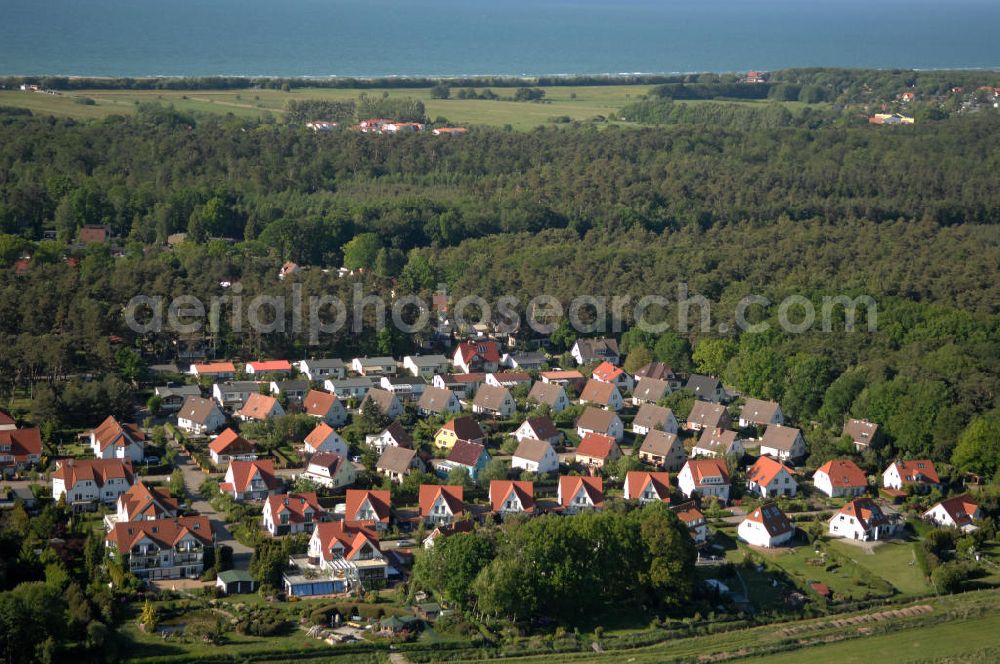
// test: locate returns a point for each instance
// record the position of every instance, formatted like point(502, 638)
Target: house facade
point(291, 513)
point(783, 443)
point(768, 478)
point(250, 480)
point(200, 416)
point(580, 494)
point(112, 440)
point(707, 477)
point(840, 477)
point(767, 526)
point(86, 482)
point(230, 446)
point(663, 450)
point(330, 470)
point(535, 456)
point(862, 519)
point(170, 548)
point(441, 505)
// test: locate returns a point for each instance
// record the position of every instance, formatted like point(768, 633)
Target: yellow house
point(460, 428)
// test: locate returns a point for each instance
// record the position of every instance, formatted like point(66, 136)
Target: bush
point(949, 577)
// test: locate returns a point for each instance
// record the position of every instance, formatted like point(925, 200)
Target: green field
point(893, 561)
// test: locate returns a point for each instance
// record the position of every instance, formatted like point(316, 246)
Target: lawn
point(805, 566)
point(893, 561)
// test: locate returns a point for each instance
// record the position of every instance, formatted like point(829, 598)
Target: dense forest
point(907, 217)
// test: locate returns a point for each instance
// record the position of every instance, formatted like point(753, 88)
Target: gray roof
point(375, 361)
point(382, 398)
point(239, 386)
point(758, 411)
point(178, 391)
point(707, 414)
point(651, 416)
point(235, 576)
point(292, 385)
point(435, 399)
point(404, 380)
point(650, 389)
point(704, 387)
point(547, 393)
point(596, 419)
point(197, 409)
point(353, 381)
point(331, 363)
point(658, 442)
point(396, 459)
point(490, 397)
point(780, 437)
point(428, 360)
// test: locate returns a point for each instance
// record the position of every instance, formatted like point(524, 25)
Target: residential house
point(549, 394)
point(649, 390)
point(89, 481)
point(494, 401)
point(393, 435)
point(19, 449)
point(605, 395)
point(783, 443)
point(540, 428)
point(323, 439)
point(508, 379)
point(94, 233)
point(292, 390)
point(171, 548)
point(706, 415)
point(291, 513)
point(768, 478)
point(463, 385)
point(955, 512)
point(523, 361)
point(354, 387)
point(663, 450)
point(460, 428)
point(269, 368)
point(596, 450)
point(229, 446)
point(606, 372)
point(326, 407)
point(917, 473)
point(406, 387)
point(438, 401)
point(482, 356)
point(231, 395)
point(251, 480)
point(330, 470)
point(647, 487)
point(512, 497)
point(374, 366)
point(142, 503)
point(535, 456)
point(718, 443)
point(840, 477)
point(260, 407)
point(200, 416)
point(579, 494)
point(585, 351)
point(385, 401)
point(757, 412)
point(368, 507)
point(427, 366)
point(598, 420)
point(691, 516)
point(214, 370)
point(172, 396)
point(571, 379)
point(767, 526)
point(397, 462)
point(289, 268)
point(650, 416)
point(320, 370)
point(707, 477)
point(706, 388)
point(659, 371)
point(341, 558)
point(862, 432)
point(862, 519)
point(7, 422)
point(471, 457)
point(112, 440)
point(441, 505)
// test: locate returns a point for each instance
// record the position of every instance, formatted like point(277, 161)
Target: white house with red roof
point(169, 548)
point(260, 407)
point(270, 367)
point(955, 512)
point(84, 481)
point(647, 487)
point(691, 516)
point(840, 477)
point(596, 450)
point(113, 440)
point(478, 356)
point(441, 505)
point(862, 519)
point(707, 477)
point(342, 557)
point(606, 372)
point(324, 439)
point(251, 480)
point(20, 448)
point(291, 513)
point(512, 497)
point(330, 470)
point(768, 478)
point(325, 406)
point(579, 494)
point(369, 507)
point(230, 446)
point(767, 526)
point(917, 473)
point(7, 422)
point(142, 503)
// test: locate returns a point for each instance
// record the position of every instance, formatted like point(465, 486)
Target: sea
point(375, 38)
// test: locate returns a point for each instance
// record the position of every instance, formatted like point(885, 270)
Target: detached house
point(462, 385)
point(426, 366)
point(649, 390)
point(596, 450)
point(88, 481)
point(19, 448)
point(718, 443)
point(330, 470)
point(706, 388)
point(291, 513)
point(162, 548)
point(767, 526)
point(341, 558)
point(214, 370)
point(580, 494)
point(441, 505)
point(260, 407)
point(385, 401)
point(663, 450)
point(659, 371)
point(230, 446)
point(861, 432)
point(200, 416)
point(320, 370)
point(460, 428)
point(172, 397)
point(269, 367)
point(783, 443)
point(233, 394)
point(374, 366)
point(407, 388)
point(438, 401)
point(512, 497)
point(112, 440)
point(572, 378)
point(862, 519)
point(325, 407)
point(535, 456)
point(605, 395)
point(354, 387)
point(606, 372)
point(324, 439)
point(509, 379)
point(956, 512)
point(840, 477)
point(760, 413)
point(585, 351)
point(368, 507)
point(918, 473)
point(650, 416)
point(471, 457)
point(251, 480)
point(477, 357)
point(393, 435)
point(292, 390)
point(397, 462)
point(523, 361)
point(549, 394)
point(142, 503)
point(691, 516)
point(707, 477)
point(598, 420)
point(540, 428)
point(768, 478)
point(494, 401)
point(705, 415)
point(647, 487)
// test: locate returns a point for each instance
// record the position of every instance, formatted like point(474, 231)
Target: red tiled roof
point(596, 446)
point(379, 500)
point(295, 504)
point(866, 511)
point(570, 485)
point(231, 443)
point(6, 419)
point(144, 501)
point(961, 509)
point(637, 480)
point(111, 432)
point(466, 453)
point(352, 538)
point(453, 495)
point(23, 443)
point(243, 472)
point(271, 365)
point(702, 468)
point(543, 426)
point(214, 368)
point(844, 473)
point(597, 392)
point(607, 372)
point(917, 471)
point(465, 428)
point(318, 403)
point(500, 489)
point(319, 434)
point(485, 350)
point(773, 519)
point(765, 470)
point(98, 471)
point(258, 406)
point(164, 532)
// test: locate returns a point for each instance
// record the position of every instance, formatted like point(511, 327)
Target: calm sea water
point(514, 37)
